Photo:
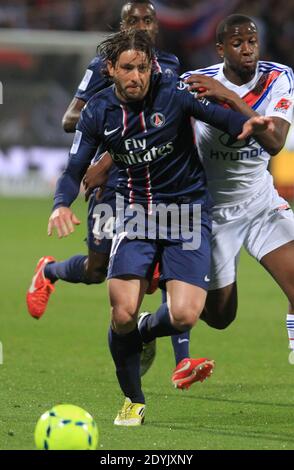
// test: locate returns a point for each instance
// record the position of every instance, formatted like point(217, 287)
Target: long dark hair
point(112, 47)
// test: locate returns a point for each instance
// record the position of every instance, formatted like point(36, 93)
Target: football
point(66, 427)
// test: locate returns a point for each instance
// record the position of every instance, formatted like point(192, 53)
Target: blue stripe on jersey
point(264, 63)
point(265, 70)
point(206, 71)
point(211, 69)
point(288, 73)
point(187, 75)
point(209, 74)
point(265, 66)
point(262, 98)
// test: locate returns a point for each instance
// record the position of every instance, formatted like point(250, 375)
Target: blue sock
point(70, 270)
point(181, 346)
point(163, 296)
point(125, 350)
point(180, 342)
point(157, 325)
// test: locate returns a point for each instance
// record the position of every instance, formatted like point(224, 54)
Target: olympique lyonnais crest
point(283, 105)
point(157, 120)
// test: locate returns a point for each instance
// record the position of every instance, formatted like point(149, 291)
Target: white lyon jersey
point(237, 170)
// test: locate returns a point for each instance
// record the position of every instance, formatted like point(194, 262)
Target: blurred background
point(46, 45)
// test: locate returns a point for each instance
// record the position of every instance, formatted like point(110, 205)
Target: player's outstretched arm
point(212, 89)
point(208, 87)
point(63, 221)
point(257, 125)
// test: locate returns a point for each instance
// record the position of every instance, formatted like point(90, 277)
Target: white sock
point(290, 329)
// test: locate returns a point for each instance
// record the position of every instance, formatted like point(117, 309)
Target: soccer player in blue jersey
point(144, 122)
point(137, 14)
point(92, 268)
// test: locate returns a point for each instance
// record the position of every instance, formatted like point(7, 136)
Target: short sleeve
point(281, 102)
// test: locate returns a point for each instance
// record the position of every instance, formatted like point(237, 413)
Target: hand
point(63, 220)
point(256, 125)
point(208, 87)
point(94, 179)
point(97, 175)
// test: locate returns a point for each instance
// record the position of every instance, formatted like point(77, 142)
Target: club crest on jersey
point(182, 85)
point(157, 120)
point(283, 105)
point(168, 73)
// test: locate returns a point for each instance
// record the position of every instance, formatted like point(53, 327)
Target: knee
point(221, 307)
point(184, 315)
point(219, 320)
point(122, 319)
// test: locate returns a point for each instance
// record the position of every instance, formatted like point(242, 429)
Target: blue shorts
point(137, 257)
point(100, 229)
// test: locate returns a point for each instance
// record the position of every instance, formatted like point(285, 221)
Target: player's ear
point(220, 49)
point(110, 68)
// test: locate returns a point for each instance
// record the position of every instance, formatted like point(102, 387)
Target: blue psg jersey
point(151, 142)
point(94, 80)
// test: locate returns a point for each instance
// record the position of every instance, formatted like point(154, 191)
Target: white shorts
point(260, 224)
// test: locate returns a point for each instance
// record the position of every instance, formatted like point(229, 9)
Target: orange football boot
point(40, 290)
point(190, 370)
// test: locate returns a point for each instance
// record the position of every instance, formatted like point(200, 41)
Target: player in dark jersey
point(144, 122)
point(92, 268)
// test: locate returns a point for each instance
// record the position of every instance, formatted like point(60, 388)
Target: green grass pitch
point(64, 358)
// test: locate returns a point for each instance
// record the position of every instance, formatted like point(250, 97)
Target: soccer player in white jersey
point(248, 210)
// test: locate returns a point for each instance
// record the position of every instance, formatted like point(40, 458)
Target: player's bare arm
point(63, 221)
point(97, 174)
point(271, 139)
point(257, 125)
point(72, 114)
